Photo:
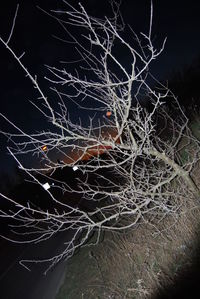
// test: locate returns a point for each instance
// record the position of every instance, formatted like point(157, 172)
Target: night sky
point(177, 20)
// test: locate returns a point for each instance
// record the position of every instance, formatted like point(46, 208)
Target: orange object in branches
point(44, 148)
point(108, 113)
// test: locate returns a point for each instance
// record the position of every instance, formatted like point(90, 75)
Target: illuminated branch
point(128, 157)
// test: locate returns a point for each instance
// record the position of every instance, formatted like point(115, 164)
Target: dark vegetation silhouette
point(185, 85)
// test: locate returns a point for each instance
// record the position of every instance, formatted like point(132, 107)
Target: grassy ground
point(139, 263)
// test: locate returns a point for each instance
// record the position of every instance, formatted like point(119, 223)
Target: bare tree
point(129, 156)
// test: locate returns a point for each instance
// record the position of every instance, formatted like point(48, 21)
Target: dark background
point(177, 20)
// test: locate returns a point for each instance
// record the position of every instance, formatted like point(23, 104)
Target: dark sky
point(179, 21)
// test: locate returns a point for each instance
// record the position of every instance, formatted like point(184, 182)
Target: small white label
point(46, 186)
point(75, 168)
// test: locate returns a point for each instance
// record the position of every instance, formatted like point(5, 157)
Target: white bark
point(142, 175)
